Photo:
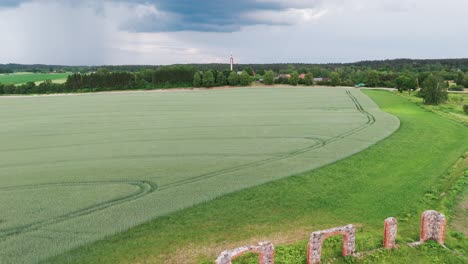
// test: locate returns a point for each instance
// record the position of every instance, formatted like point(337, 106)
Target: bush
point(221, 79)
point(208, 79)
point(245, 79)
point(465, 109)
point(434, 91)
point(233, 79)
point(294, 80)
point(457, 88)
point(197, 80)
point(269, 78)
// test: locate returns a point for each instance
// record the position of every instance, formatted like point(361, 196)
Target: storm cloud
point(257, 31)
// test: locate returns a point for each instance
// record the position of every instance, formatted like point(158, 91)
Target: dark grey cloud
point(10, 2)
point(183, 31)
point(203, 16)
point(193, 15)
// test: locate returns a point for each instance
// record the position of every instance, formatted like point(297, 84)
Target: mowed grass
point(400, 176)
point(452, 108)
point(21, 78)
point(77, 169)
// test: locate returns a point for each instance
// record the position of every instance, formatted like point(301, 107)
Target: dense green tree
point(405, 83)
point(249, 70)
point(197, 80)
point(245, 79)
point(145, 74)
point(233, 79)
point(208, 79)
point(309, 79)
point(459, 78)
point(9, 89)
point(269, 77)
point(294, 80)
point(372, 78)
point(465, 80)
point(433, 90)
point(102, 71)
point(261, 72)
point(221, 79)
point(335, 79)
point(174, 75)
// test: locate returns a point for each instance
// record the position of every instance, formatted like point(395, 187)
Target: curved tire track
point(144, 188)
point(370, 121)
point(147, 187)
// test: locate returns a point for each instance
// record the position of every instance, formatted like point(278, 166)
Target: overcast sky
point(93, 32)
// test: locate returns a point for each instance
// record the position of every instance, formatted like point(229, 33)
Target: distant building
point(322, 79)
point(283, 76)
point(302, 76)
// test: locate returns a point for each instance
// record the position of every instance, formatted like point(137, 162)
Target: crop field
point(417, 168)
point(75, 169)
point(20, 78)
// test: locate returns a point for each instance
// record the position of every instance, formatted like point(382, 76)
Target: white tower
point(231, 61)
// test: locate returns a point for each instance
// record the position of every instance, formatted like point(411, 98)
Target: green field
point(75, 169)
point(452, 108)
point(20, 78)
point(403, 175)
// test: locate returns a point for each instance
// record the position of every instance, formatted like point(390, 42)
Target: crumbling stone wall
point(265, 251)
point(314, 248)
point(390, 232)
point(433, 225)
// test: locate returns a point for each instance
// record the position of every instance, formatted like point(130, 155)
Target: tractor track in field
point(321, 143)
point(144, 141)
point(147, 187)
point(144, 188)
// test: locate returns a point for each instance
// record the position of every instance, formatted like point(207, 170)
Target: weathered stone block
point(314, 248)
point(390, 232)
point(265, 250)
point(433, 225)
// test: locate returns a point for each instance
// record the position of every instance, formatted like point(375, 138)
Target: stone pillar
point(265, 251)
point(390, 232)
point(433, 225)
point(314, 248)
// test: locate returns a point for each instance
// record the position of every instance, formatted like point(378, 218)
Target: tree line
point(395, 65)
point(405, 75)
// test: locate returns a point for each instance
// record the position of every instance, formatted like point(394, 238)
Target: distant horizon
point(227, 63)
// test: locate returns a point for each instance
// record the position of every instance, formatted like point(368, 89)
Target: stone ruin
point(314, 248)
point(390, 232)
point(433, 226)
point(265, 251)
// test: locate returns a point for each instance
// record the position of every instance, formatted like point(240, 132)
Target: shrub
point(294, 80)
point(434, 92)
point(233, 79)
point(197, 80)
point(208, 79)
point(457, 88)
point(269, 77)
point(245, 79)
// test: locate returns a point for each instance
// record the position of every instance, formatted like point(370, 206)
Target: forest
point(403, 74)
